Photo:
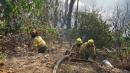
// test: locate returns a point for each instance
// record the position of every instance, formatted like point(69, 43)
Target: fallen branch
point(59, 62)
point(67, 55)
point(79, 60)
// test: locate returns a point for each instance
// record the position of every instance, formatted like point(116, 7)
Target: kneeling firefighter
point(88, 50)
point(76, 47)
point(38, 42)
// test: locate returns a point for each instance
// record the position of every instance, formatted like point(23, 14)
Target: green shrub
point(2, 56)
point(92, 26)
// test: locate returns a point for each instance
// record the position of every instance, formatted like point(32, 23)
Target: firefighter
point(88, 50)
point(38, 43)
point(76, 47)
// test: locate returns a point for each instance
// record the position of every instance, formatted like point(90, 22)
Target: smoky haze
point(105, 6)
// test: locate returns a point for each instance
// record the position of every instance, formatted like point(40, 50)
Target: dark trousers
point(42, 49)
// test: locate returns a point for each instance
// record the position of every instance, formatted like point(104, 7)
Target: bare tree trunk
point(56, 13)
point(65, 15)
point(70, 14)
point(46, 11)
point(76, 17)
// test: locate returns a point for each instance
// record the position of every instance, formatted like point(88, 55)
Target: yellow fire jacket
point(39, 42)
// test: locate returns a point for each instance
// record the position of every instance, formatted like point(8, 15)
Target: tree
point(92, 26)
point(56, 13)
point(70, 14)
point(19, 13)
point(120, 21)
point(76, 15)
point(65, 14)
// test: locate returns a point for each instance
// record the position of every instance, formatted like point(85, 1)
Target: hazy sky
point(97, 3)
point(106, 6)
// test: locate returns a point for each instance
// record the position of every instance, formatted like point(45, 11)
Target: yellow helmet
point(91, 41)
point(79, 40)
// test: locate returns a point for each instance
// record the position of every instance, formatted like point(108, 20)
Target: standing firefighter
point(88, 50)
point(38, 42)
